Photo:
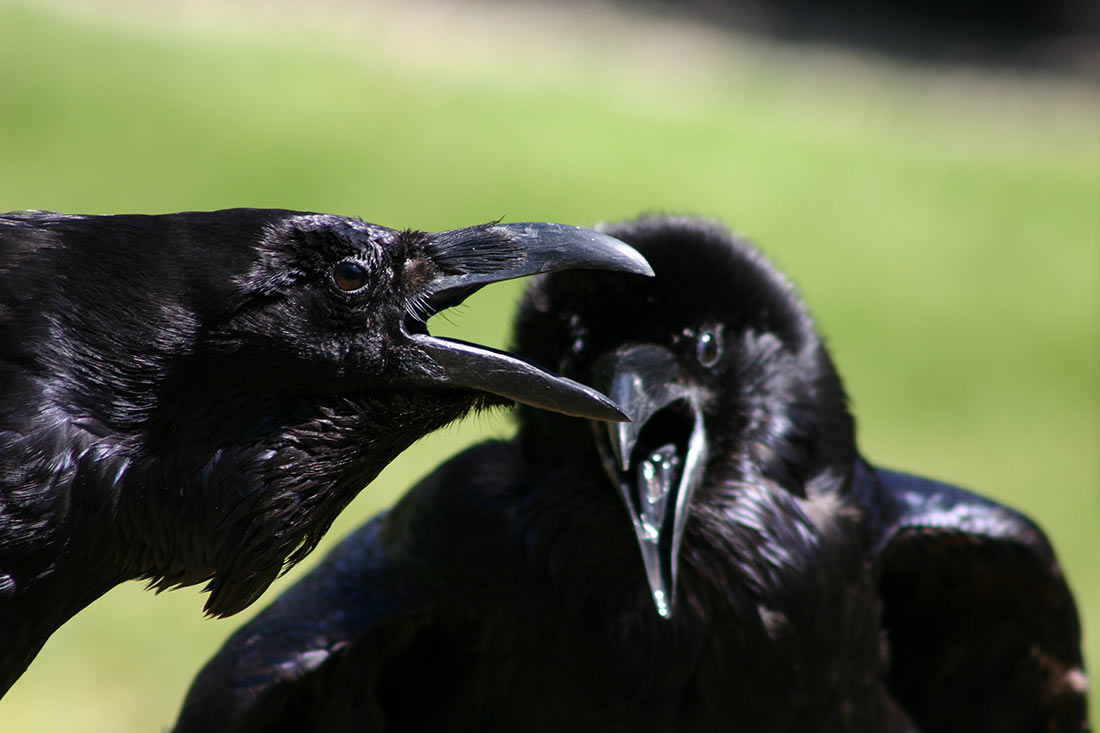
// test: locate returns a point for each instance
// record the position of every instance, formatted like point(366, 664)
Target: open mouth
point(657, 461)
point(650, 480)
point(655, 465)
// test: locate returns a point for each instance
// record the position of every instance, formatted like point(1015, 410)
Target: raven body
point(763, 577)
point(194, 397)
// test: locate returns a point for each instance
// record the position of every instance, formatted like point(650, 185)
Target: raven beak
point(657, 460)
point(468, 259)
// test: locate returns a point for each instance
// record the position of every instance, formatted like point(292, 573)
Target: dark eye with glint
point(349, 276)
point(708, 348)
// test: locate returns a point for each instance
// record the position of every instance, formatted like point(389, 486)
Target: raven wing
point(982, 628)
point(269, 675)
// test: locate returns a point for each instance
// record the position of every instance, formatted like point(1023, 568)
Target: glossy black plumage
point(194, 397)
point(814, 592)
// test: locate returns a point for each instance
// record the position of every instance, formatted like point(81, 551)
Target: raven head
point(332, 304)
point(716, 362)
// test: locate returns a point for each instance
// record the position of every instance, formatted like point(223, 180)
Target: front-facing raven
point(194, 397)
point(762, 577)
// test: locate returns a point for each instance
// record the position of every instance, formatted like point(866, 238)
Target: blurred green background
point(942, 222)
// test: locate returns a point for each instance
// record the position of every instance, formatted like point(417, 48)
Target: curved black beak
point(657, 460)
point(468, 259)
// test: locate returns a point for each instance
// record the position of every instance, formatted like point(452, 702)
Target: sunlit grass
point(944, 225)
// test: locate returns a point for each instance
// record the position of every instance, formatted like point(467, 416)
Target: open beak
point(468, 259)
point(657, 460)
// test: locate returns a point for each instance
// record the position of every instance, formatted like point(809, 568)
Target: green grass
point(943, 224)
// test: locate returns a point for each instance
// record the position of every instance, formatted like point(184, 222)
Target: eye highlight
point(708, 348)
point(349, 276)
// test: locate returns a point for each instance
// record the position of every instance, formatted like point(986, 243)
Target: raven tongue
point(657, 475)
point(657, 479)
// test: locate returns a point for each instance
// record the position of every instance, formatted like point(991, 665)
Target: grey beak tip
point(644, 268)
point(603, 409)
point(632, 260)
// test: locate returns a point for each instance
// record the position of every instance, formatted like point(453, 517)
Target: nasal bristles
point(483, 249)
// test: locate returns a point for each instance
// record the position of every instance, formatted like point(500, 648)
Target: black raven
point(194, 397)
point(782, 583)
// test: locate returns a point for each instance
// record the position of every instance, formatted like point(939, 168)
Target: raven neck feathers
point(244, 502)
point(262, 505)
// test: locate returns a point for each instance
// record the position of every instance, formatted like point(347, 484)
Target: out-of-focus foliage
point(944, 224)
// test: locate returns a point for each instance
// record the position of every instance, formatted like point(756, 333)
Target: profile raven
point(194, 397)
point(764, 576)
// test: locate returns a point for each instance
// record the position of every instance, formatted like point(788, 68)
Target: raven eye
point(708, 348)
point(349, 276)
